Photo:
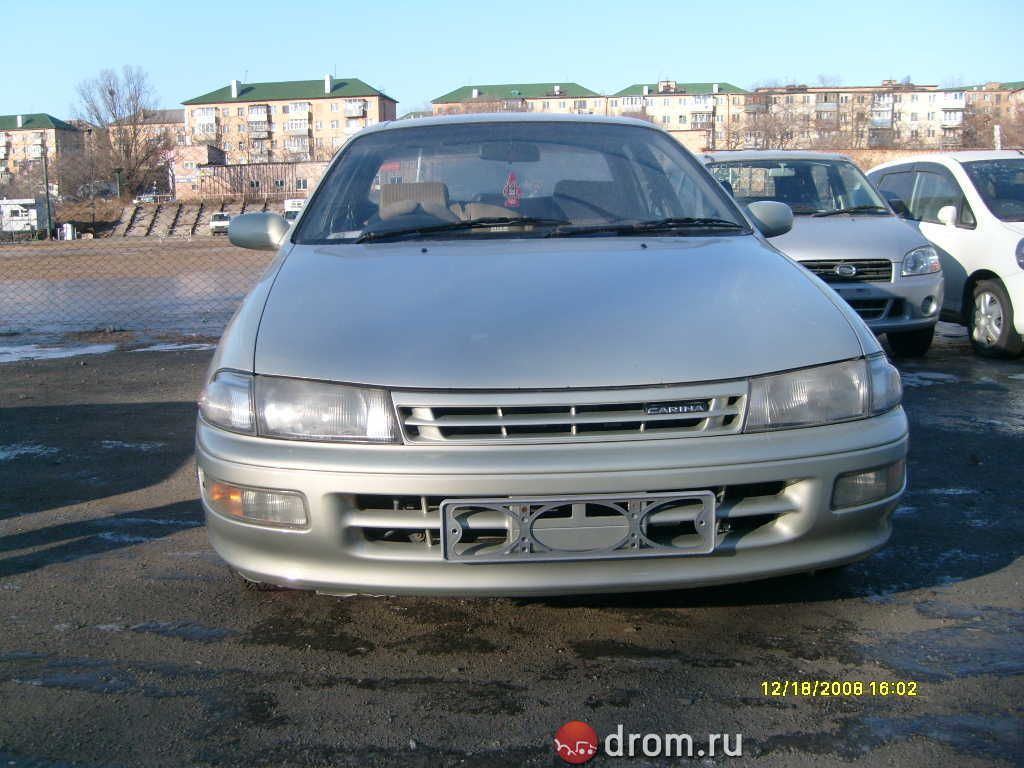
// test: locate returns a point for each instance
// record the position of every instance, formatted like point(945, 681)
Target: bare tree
point(121, 107)
point(979, 127)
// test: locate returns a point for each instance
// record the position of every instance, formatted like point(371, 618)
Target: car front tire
point(991, 321)
point(911, 343)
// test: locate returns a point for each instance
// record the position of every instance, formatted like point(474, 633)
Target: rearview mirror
point(947, 215)
point(510, 152)
point(258, 231)
point(771, 217)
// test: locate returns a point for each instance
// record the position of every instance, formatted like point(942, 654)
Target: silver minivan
point(846, 234)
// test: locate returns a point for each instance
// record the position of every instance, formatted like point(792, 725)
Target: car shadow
point(55, 456)
point(66, 542)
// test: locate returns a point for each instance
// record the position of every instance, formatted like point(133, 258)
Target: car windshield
point(221, 216)
point(807, 186)
point(515, 179)
point(1001, 185)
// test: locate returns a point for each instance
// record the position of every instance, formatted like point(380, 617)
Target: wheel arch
point(967, 300)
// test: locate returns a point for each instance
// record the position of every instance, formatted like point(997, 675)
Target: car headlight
point(1020, 254)
point(921, 261)
point(824, 394)
point(313, 410)
point(227, 402)
point(272, 406)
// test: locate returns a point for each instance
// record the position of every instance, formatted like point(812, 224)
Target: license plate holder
point(585, 527)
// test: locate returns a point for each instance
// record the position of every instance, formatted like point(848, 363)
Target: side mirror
point(258, 231)
point(771, 217)
point(947, 215)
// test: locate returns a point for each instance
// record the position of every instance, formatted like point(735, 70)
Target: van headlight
point(921, 261)
point(297, 409)
point(825, 394)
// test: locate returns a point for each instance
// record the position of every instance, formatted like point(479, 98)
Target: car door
point(918, 191)
point(934, 188)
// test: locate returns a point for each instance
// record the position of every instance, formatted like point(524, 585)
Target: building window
point(254, 183)
point(241, 145)
point(561, 105)
point(913, 117)
point(319, 125)
point(335, 124)
point(226, 111)
point(302, 183)
point(614, 103)
point(334, 106)
point(279, 183)
point(241, 111)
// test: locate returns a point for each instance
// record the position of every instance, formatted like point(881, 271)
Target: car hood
point(552, 313)
point(849, 237)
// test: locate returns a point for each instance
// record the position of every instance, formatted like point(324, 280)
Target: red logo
point(576, 742)
point(512, 191)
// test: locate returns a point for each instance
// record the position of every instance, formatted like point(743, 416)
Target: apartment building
point(552, 98)
point(290, 121)
point(700, 115)
point(24, 138)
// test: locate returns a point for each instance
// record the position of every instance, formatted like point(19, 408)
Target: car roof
point(504, 117)
point(725, 156)
point(961, 156)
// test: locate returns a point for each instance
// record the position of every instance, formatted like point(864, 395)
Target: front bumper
point(784, 480)
point(896, 306)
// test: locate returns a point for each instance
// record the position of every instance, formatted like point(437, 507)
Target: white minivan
point(970, 206)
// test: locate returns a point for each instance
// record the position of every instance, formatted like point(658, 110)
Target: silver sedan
point(532, 354)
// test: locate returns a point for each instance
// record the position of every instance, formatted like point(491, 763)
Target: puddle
point(36, 352)
point(301, 633)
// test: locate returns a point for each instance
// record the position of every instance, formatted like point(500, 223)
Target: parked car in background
point(847, 235)
point(219, 223)
point(548, 355)
point(970, 205)
point(293, 207)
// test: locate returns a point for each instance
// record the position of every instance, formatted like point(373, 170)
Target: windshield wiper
point(456, 226)
point(854, 209)
point(672, 224)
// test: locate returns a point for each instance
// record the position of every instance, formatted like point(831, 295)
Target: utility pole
point(46, 186)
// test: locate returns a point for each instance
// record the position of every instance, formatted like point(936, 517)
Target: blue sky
point(415, 51)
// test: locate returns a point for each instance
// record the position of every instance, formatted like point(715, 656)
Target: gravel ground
point(126, 642)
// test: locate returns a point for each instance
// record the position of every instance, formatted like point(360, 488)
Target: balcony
point(260, 134)
point(299, 127)
point(354, 108)
point(755, 107)
point(255, 126)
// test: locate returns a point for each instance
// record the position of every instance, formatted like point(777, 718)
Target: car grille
point(878, 309)
point(577, 416)
point(390, 526)
point(868, 270)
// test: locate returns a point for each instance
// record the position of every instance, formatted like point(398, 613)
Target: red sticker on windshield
point(513, 194)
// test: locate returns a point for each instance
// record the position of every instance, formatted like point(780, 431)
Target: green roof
point(509, 91)
point(637, 89)
point(34, 122)
point(292, 90)
point(1014, 85)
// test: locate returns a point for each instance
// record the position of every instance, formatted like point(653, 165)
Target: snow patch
point(118, 445)
point(927, 378)
point(36, 352)
point(175, 347)
point(17, 450)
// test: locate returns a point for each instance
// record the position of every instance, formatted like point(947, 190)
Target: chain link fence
point(81, 259)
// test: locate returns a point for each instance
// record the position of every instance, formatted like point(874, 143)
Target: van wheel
point(991, 321)
point(911, 343)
